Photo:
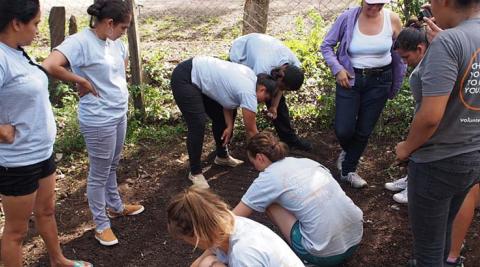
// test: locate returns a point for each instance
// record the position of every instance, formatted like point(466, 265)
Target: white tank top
point(372, 51)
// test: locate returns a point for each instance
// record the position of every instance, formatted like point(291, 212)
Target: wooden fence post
point(56, 23)
point(136, 62)
point(255, 16)
point(72, 25)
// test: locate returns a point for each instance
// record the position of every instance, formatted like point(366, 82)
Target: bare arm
point(55, 64)
point(227, 133)
point(250, 121)
point(275, 102)
point(7, 134)
point(205, 254)
point(242, 210)
point(396, 24)
point(424, 125)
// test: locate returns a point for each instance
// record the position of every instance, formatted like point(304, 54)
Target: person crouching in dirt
point(319, 221)
point(98, 59)
point(201, 219)
point(266, 54)
point(206, 86)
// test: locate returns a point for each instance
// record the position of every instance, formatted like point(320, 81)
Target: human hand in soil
point(342, 78)
point(85, 87)
point(401, 152)
point(227, 134)
point(7, 134)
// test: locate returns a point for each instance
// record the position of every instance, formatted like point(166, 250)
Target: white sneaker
point(229, 161)
point(340, 160)
point(401, 197)
point(198, 180)
point(397, 185)
point(354, 179)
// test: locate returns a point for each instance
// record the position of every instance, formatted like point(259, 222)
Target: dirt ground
point(150, 174)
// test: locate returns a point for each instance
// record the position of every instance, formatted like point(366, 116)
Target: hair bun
point(96, 8)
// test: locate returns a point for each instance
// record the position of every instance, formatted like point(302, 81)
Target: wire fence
point(207, 26)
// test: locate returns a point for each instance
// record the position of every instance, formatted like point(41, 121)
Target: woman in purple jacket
point(368, 71)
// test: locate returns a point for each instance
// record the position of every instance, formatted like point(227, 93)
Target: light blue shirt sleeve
point(262, 193)
point(124, 50)
point(72, 49)
point(249, 101)
point(247, 258)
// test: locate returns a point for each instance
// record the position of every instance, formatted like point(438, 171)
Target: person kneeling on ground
point(200, 218)
point(320, 222)
point(209, 86)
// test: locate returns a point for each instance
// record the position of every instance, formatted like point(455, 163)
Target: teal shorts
point(303, 254)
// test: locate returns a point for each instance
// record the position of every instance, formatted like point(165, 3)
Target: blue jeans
point(104, 146)
point(356, 113)
point(435, 193)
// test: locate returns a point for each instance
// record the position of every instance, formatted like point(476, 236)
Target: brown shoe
point(128, 210)
point(106, 237)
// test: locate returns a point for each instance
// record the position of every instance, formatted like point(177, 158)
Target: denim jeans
point(195, 107)
point(435, 193)
point(104, 147)
point(356, 113)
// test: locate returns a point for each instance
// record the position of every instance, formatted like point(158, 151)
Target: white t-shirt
point(103, 64)
point(262, 53)
point(254, 245)
point(25, 104)
point(330, 223)
point(231, 85)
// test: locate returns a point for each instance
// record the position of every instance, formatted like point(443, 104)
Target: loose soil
point(151, 173)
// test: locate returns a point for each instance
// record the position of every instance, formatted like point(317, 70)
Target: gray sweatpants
point(104, 146)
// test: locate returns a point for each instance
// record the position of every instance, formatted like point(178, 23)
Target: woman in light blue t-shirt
point(200, 218)
point(320, 222)
point(98, 60)
point(27, 134)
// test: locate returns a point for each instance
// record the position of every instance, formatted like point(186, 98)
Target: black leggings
point(195, 107)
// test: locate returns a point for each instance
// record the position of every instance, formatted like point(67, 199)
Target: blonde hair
point(266, 143)
point(200, 214)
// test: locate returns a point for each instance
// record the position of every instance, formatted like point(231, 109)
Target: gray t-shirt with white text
point(451, 66)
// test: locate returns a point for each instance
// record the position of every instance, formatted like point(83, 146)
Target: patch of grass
point(157, 133)
point(69, 138)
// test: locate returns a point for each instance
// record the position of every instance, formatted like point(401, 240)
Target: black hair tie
point(30, 61)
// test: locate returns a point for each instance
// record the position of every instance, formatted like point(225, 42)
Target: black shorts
point(22, 181)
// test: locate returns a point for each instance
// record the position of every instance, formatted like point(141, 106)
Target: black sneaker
point(301, 144)
point(457, 263)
